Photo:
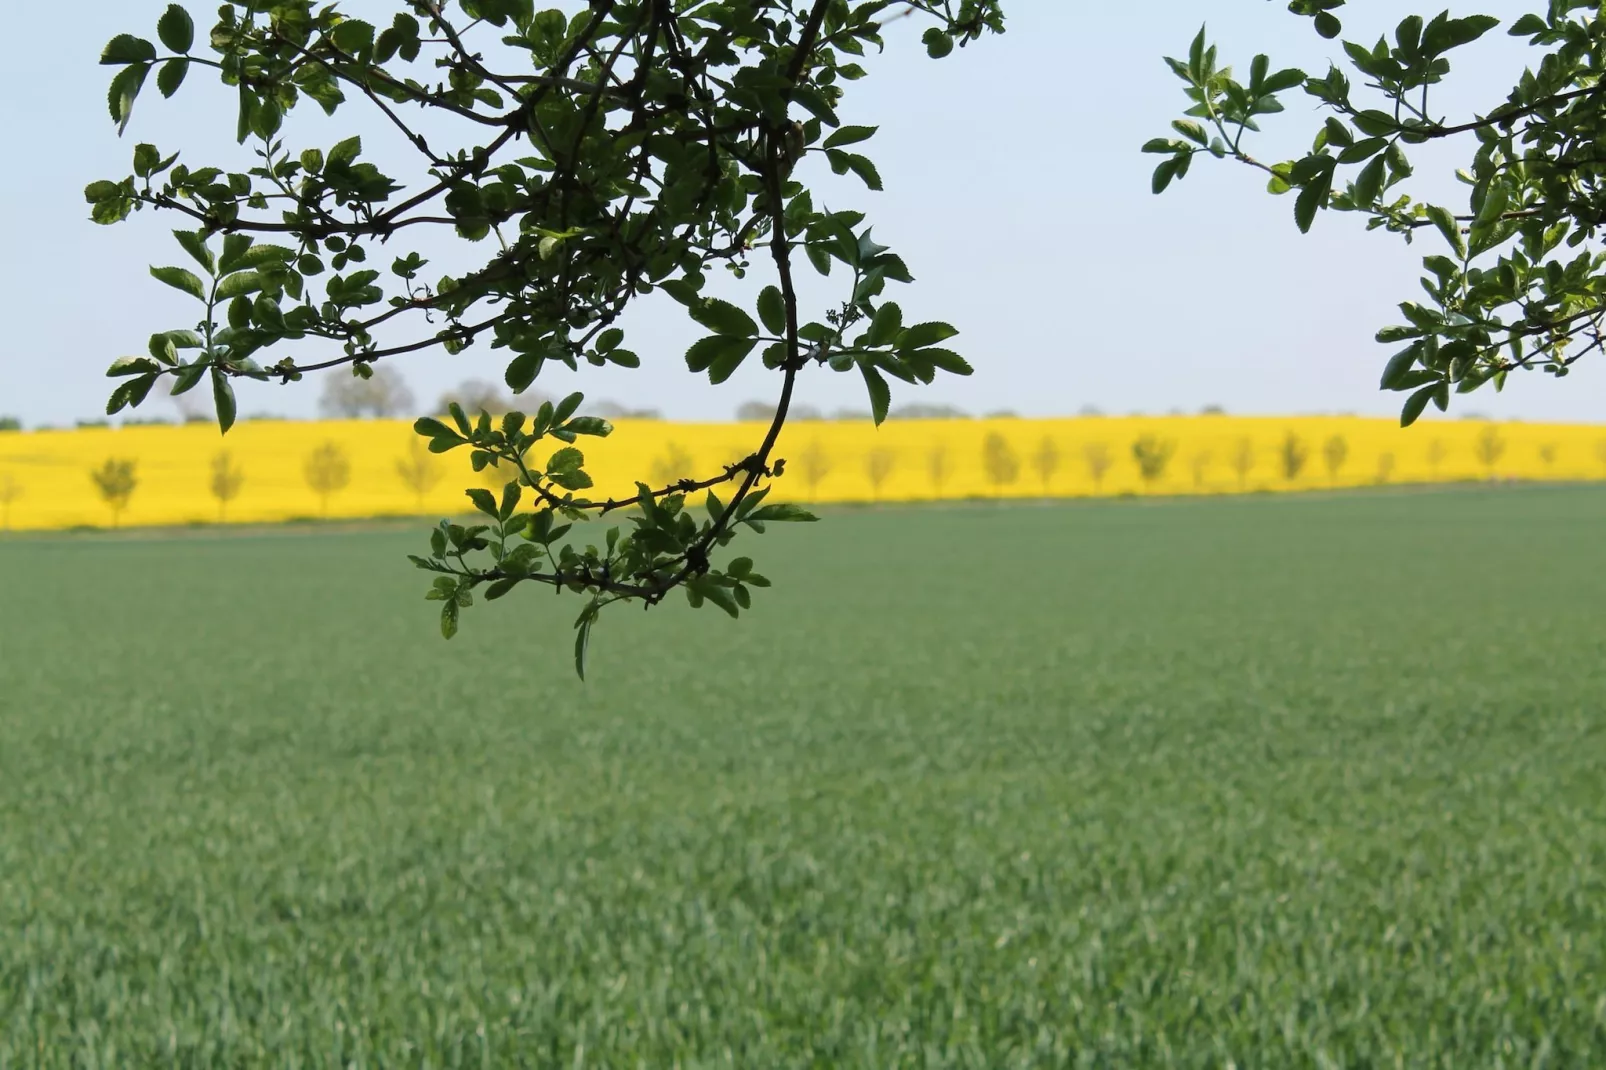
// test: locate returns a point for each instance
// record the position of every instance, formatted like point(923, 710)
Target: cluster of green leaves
point(1507, 295)
point(629, 148)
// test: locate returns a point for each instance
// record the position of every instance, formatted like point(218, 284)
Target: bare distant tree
point(10, 491)
point(1153, 455)
point(814, 464)
point(1293, 455)
point(1385, 467)
point(419, 470)
point(878, 465)
point(116, 482)
point(1242, 461)
point(1200, 463)
point(328, 471)
point(999, 462)
point(612, 410)
point(1096, 455)
point(1046, 461)
point(382, 395)
point(673, 465)
point(1489, 447)
point(938, 466)
point(1437, 451)
point(226, 481)
point(1213, 410)
point(1548, 452)
point(755, 412)
point(1335, 451)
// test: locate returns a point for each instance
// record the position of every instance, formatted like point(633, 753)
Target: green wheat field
point(1265, 782)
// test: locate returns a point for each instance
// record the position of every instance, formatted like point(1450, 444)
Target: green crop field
point(1274, 782)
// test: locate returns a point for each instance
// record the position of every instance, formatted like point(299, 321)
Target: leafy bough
point(623, 150)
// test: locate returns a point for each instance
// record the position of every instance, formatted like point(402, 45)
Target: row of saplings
point(327, 468)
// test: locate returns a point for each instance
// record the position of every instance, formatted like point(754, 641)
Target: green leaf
point(522, 370)
point(171, 76)
point(432, 428)
point(124, 90)
point(567, 459)
point(1445, 220)
point(483, 500)
point(1328, 26)
point(880, 393)
point(180, 279)
point(582, 639)
point(176, 29)
point(865, 169)
point(1416, 403)
point(938, 44)
point(195, 245)
point(223, 398)
point(718, 349)
point(849, 135)
point(126, 48)
point(887, 323)
point(589, 425)
point(345, 151)
point(946, 359)
point(722, 317)
point(449, 614)
point(239, 284)
point(1369, 183)
point(772, 310)
point(729, 359)
point(921, 335)
point(781, 513)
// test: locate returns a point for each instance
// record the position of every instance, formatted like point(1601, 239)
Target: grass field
point(1277, 782)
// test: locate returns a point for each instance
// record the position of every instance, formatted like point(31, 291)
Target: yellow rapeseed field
point(280, 470)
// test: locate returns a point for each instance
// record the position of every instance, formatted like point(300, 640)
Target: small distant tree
point(418, 469)
point(999, 461)
point(1548, 452)
point(878, 465)
point(1153, 455)
point(379, 392)
point(1385, 467)
point(10, 423)
point(1200, 463)
point(10, 491)
point(328, 471)
point(1097, 457)
point(116, 482)
point(1335, 451)
point(938, 466)
point(672, 466)
point(1489, 447)
point(1293, 454)
point(1046, 461)
point(755, 412)
point(1437, 451)
point(226, 481)
point(813, 464)
point(1242, 460)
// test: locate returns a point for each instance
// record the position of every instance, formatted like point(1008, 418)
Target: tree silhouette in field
point(1153, 455)
point(1099, 461)
point(381, 394)
point(1436, 453)
point(1293, 453)
point(939, 465)
point(327, 470)
point(998, 461)
point(612, 149)
point(1385, 467)
point(225, 482)
point(878, 465)
point(10, 491)
point(418, 470)
point(1335, 451)
point(1242, 461)
point(1548, 452)
point(1508, 289)
point(116, 482)
point(1046, 461)
point(1489, 447)
point(673, 465)
point(813, 464)
point(1200, 464)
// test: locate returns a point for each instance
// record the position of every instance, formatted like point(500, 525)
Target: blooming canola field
point(272, 470)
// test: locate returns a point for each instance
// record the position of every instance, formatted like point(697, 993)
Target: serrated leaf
point(849, 135)
point(921, 335)
point(176, 29)
point(223, 399)
point(772, 308)
point(723, 318)
point(171, 76)
point(180, 279)
point(483, 500)
point(880, 393)
point(124, 91)
point(126, 48)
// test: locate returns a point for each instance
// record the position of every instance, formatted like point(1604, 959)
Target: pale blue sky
point(1015, 190)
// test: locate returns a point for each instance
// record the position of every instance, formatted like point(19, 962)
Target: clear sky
point(1015, 190)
